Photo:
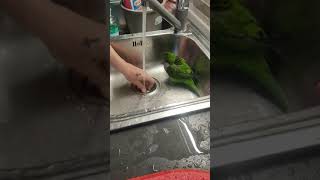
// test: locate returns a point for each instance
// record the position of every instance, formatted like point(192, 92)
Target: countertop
point(164, 144)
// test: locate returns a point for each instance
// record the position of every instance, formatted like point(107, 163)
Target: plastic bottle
point(114, 28)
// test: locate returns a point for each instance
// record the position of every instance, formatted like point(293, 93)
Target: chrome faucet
point(178, 21)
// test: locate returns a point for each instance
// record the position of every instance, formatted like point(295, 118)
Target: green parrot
point(236, 29)
point(180, 73)
point(254, 67)
point(239, 46)
point(170, 57)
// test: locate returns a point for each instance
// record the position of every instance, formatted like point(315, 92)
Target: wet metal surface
point(181, 142)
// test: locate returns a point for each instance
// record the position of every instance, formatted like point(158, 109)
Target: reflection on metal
point(193, 142)
point(154, 169)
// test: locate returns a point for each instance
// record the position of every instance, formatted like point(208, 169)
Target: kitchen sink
point(130, 106)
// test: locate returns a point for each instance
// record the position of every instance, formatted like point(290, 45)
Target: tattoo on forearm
point(90, 42)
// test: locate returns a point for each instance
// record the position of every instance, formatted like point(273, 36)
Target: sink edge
point(138, 118)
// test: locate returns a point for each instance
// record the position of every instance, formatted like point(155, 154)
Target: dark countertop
point(162, 145)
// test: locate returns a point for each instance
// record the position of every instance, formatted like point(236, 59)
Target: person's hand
point(138, 77)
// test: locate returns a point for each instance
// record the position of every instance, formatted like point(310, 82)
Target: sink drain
point(152, 91)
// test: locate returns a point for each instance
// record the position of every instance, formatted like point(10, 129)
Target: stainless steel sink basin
point(130, 106)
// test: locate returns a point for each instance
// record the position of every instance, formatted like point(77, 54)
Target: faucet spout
point(179, 22)
point(182, 11)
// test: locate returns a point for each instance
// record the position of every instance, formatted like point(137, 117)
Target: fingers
point(139, 78)
point(141, 86)
point(144, 86)
point(149, 82)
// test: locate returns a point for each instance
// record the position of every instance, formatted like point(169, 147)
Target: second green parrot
point(239, 46)
point(180, 73)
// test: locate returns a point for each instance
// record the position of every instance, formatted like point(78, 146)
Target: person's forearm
point(116, 61)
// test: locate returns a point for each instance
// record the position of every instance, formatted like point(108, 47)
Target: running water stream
point(144, 24)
